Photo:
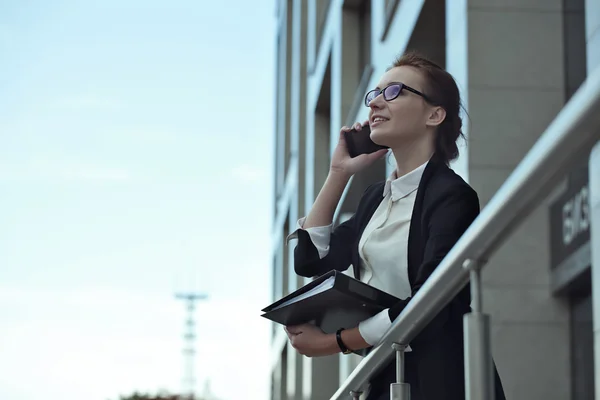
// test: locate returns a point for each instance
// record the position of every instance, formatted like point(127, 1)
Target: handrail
point(572, 133)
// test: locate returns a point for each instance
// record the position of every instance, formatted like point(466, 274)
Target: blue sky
point(136, 161)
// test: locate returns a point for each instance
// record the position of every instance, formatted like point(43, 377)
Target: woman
point(401, 230)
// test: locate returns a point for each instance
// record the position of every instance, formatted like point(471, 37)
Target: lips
point(377, 120)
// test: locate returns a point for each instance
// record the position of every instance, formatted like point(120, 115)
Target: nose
point(376, 103)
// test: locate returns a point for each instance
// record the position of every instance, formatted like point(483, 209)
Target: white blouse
point(383, 247)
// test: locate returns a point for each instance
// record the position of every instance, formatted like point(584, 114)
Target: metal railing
point(566, 140)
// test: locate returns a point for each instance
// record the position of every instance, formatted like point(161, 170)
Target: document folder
point(332, 301)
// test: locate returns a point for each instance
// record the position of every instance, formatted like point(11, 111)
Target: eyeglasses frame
point(402, 87)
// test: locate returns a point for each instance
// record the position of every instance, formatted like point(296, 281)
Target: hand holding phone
point(359, 142)
point(355, 151)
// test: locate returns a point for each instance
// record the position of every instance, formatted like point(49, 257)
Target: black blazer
point(445, 206)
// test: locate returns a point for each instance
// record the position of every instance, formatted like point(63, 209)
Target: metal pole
point(594, 220)
point(399, 390)
point(479, 367)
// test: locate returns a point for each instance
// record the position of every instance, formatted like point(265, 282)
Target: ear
point(436, 116)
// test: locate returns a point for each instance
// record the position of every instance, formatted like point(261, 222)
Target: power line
point(189, 339)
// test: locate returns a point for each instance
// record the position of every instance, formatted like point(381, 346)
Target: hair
point(441, 90)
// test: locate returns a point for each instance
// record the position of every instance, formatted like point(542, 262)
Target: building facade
point(517, 63)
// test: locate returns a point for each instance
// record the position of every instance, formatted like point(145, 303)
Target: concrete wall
point(515, 87)
point(592, 27)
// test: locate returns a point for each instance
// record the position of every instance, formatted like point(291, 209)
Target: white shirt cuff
point(319, 236)
point(373, 329)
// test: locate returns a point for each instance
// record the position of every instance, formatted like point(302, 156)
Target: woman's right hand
point(342, 163)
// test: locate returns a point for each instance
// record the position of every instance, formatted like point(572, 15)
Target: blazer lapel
point(416, 241)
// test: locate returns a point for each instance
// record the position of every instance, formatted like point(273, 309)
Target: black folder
point(332, 301)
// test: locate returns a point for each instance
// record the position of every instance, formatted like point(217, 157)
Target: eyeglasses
point(390, 92)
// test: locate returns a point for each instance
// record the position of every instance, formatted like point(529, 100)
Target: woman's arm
point(310, 341)
point(322, 211)
point(334, 250)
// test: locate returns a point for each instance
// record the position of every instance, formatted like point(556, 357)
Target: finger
point(367, 158)
point(372, 157)
point(294, 329)
point(379, 154)
point(365, 123)
point(357, 126)
point(296, 344)
point(342, 139)
point(343, 132)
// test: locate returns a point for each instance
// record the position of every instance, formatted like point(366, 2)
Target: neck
point(410, 156)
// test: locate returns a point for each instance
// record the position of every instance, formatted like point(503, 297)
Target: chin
point(379, 136)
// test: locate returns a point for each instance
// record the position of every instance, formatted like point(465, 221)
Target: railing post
point(399, 390)
point(594, 221)
point(479, 366)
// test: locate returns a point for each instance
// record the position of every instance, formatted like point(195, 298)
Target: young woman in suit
point(401, 230)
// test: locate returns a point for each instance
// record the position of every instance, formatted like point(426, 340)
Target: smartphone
point(359, 142)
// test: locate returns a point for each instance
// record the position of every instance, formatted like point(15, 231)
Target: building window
point(322, 10)
point(285, 262)
point(356, 56)
point(390, 10)
point(322, 129)
point(288, 85)
point(575, 49)
point(429, 34)
point(582, 348)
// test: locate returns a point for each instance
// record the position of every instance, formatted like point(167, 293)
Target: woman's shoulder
point(446, 182)
point(374, 189)
point(373, 193)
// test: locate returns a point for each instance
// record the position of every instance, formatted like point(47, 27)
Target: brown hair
point(441, 90)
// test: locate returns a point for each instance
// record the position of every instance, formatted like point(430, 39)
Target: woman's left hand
point(311, 341)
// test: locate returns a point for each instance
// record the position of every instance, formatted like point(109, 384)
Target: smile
point(377, 121)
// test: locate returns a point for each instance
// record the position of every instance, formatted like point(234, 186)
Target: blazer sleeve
point(448, 221)
point(307, 261)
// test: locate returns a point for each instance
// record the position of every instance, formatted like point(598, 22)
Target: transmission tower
point(189, 338)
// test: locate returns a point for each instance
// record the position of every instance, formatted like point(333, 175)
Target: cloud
point(248, 173)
